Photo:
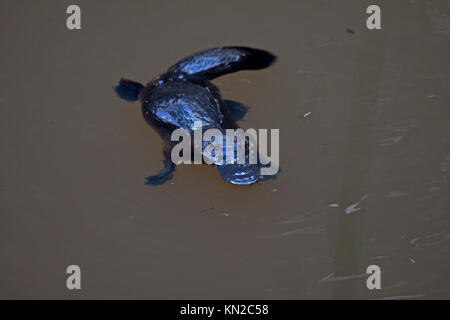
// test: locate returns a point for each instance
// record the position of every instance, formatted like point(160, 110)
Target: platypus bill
point(184, 94)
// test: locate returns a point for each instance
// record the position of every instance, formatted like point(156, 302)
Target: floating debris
point(390, 141)
point(205, 210)
point(352, 208)
point(333, 205)
point(379, 257)
point(302, 217)
point(355, 206)
point(332, 278)
point(306, 114)
point(307, 230)
point(394, 194)
point(350, 31)
point(225, 214)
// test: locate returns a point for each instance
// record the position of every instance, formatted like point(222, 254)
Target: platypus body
point(184, 95)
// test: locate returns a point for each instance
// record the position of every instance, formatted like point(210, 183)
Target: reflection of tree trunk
point(357, 159)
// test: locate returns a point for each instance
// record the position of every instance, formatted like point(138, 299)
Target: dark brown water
point(74, 156)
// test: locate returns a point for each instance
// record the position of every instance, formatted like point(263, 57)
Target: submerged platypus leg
point(165, 174)
point(237, 109)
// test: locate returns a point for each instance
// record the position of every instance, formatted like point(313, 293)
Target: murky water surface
point(365, 174)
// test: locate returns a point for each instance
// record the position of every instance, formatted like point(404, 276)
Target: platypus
point(185, 94)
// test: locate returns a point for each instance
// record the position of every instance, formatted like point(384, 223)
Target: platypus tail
point(215, 62)
point(128, 89)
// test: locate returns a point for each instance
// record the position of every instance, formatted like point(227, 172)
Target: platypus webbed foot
point(237, 109)
point(128, 90)
point(165, 174)
point(161, 177)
